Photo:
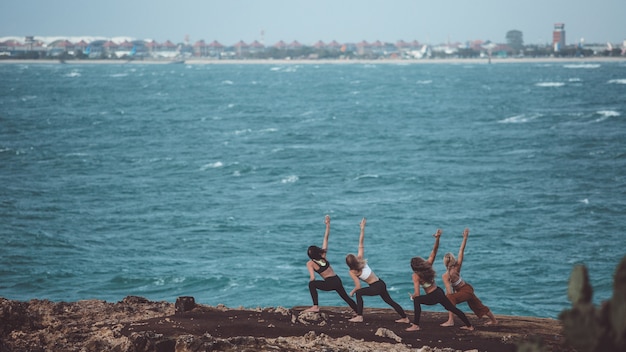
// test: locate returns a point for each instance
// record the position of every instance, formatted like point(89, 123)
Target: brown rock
point(137, 324)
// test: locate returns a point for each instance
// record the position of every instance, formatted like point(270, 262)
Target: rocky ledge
point(137, 324)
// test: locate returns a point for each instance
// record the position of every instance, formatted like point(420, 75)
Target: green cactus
point(588, 329)
point(579, 290)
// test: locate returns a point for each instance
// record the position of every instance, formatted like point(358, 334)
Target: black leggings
point(332, 283)
point(378, 288)
point(437, 296)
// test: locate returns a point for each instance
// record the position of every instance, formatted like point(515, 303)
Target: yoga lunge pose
point(359, 270)
point(424, 276)
point(458, 290)
point(319, 264)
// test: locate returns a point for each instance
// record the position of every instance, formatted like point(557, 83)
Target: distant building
point(558, 36)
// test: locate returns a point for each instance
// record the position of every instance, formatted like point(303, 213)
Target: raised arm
point(361, 238)
point(433, 254)
point(326, 233)
point(459, 261)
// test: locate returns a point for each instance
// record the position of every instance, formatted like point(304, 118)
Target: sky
point(346, 21)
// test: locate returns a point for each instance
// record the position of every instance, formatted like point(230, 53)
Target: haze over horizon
point(346, 21)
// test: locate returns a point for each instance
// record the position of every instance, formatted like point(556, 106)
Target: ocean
point(212, 180)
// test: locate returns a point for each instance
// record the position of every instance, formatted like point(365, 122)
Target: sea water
point(212, 180)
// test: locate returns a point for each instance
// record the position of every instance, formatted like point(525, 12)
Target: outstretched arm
point(361, 238)
point(462, 249)
point(433, 254)
point(447, 283)
point(309, 266)
point(326, 233)
point(357, 282)
point(416, 285)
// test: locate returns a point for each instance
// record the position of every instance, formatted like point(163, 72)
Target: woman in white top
point(359, 270)
point(424, 277)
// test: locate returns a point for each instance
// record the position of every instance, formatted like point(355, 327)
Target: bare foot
point(403, 320)
point(492, 319)
point(357, 319)
point(313, 309)
point(447, 323)
point(470, 328)
point(413, 327)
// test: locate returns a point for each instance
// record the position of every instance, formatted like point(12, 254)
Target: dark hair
point(316, 253)
point(423, 268)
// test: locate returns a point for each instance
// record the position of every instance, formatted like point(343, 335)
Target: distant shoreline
point(197, 61)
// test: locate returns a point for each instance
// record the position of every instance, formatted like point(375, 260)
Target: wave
point(608, 113)
point(73, 74)
point(605, 114)
point(214, 165)
point(28, 97)
point(290, 179)
point(581, 65)
point(522, 118)
point(550, 84)
point(617, 81)
point(365, 176)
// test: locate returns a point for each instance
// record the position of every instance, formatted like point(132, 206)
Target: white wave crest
point(608, 113)
point(214, 165)
point(428, 81)
point(519, 119)
point(73, 74)
point(618, 81)
point(550, 84)
point(29, 97)
point(366, 176)
point(605, 114)
point(581, 66)
point(290, 179)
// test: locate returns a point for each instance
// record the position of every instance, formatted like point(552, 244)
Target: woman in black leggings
point(360, 270)
point(424, 276)
point(319, 264)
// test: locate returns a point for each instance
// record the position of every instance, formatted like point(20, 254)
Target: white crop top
point(457, 282)
point(365, 272)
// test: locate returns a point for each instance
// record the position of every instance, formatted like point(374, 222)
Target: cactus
point(588, 329)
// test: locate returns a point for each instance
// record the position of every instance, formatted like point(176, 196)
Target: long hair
point(316, 253)
point(355, 263)
point(449, 260)
point(423, 268)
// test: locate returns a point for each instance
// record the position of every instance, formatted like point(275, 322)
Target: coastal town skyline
point(272, 21)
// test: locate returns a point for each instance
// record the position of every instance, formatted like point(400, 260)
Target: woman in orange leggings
point(458, 291)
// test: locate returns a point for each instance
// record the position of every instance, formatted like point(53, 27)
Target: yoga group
point(457, 290)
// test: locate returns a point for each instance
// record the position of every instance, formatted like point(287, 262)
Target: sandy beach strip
point(455, 61)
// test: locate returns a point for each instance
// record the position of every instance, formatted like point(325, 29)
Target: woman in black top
point(319, 264)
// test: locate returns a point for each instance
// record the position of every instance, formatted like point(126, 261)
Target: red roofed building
point(319, 45)
point(200, 48)
point(295, 45)
point(280, 45)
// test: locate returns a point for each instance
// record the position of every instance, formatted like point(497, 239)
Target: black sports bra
point(323, 265)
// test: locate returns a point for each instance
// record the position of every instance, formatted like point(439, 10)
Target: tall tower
point(558, 36)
